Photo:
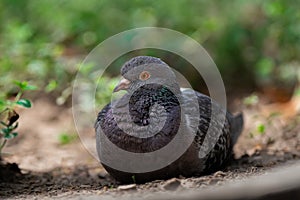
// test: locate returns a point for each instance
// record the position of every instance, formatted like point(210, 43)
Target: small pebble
point(219, 174)
point(102, 175)
point(127, 187)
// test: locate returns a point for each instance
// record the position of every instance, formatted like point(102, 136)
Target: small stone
point(102, 175)
point(172, 184)
point(105, 188)
point(219, 174)
point(127, 187)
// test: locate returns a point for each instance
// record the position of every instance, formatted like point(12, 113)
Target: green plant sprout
point(251, 100)
point(133, 179)
point(261, 128)
point(65, 138)
point(8, 116)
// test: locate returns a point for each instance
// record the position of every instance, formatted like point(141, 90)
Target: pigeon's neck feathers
point(147, 96)
point(158, 94)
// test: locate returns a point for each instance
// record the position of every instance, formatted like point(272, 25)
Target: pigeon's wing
point(101, 115)
point(236, 122)
point(220, 143)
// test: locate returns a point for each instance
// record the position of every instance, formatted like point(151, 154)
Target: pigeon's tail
point(236, 124)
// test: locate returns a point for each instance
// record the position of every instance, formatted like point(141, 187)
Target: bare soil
point(37, 165)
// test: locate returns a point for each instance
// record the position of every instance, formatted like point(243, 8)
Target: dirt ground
point(45, 168)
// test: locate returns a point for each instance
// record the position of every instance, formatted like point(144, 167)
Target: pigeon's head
point(143, 70)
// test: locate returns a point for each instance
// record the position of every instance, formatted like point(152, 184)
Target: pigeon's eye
point(144, 75)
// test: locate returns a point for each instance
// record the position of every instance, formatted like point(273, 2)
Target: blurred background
point(255, 44)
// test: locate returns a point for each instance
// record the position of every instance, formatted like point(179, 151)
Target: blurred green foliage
point(44, 41)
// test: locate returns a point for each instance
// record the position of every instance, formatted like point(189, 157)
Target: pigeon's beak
point(122, 85)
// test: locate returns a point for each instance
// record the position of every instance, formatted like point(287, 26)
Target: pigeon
point(152, 114)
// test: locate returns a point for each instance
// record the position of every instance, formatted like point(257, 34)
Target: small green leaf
point(261, 129)
point(5, 131)
point(24, 102)
point(24, 85)
point(52, 85)
point(133, 179)
point(30, 87)
point(2, 102)
point(20, 84)
point(65, 138)
point(11, 135)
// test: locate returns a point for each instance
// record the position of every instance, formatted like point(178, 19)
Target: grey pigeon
point(151, 114)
